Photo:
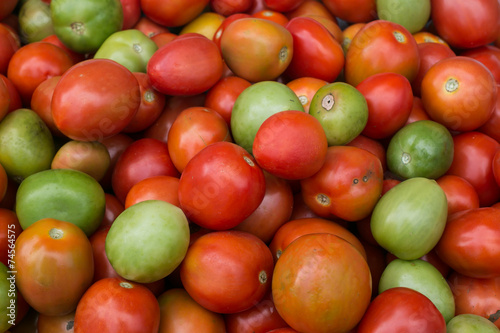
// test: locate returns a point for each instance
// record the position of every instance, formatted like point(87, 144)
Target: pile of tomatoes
point(249, 166)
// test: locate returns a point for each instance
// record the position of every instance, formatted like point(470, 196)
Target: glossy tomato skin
point(174, 13)
point(469, 242)
point(489, 56)
point(41, 103)
point(460, 194)
point(347, 186)
point(154, 188)
point(188, 65)
point(474, 23)
point(102, 266)
point(117, 305)
point(221, 186)
point(352, 11)
point(402, 309)
point(492, 125)
point(10, 43)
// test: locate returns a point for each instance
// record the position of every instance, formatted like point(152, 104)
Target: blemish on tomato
point(323, 199)
point(405, 158)
point(355, 181)
point(262, 277)
point(283, 55)
point(126, 285)
point(78, 27)
point(137, 48)
point(399, 36)
point(248, 160)
point(451, 85)
point(328, 102)
point(55, 233)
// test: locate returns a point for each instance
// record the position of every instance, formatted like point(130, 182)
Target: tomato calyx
point(400, 37)
point(451, 85)
point(328, 102)
point(262, 277)
point(323, 199)
point(78, 27)
point(126, 285)
point(56, 233)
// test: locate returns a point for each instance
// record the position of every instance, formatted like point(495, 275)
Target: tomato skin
point(492, 125)
point(352, 11)
point(188, 65)
point(224, 280)
point(469, 242)
point(373, 146)
point(472, 160)
point(402, 309)
point(489, 56)
point(230, 7)
point(131, 13)
point(496, 167)
point(305, 88)
point(9, 43)
point(460, 194)
point(102, 266)
point(474, 23)
point(56, 324)
point(117, 305)
point(174, 13)
point(115, 144)
point(47, 253)
point(41, 103)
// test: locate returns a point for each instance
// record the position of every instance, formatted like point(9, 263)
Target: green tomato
point(411, 14)
point(409, 219)
point(26, 144)
point(35, 22)
point(423, 277)
point(147, 241)
point(130, 48)
point(341, 110)
point(257, 103)
point(420, 149)
point(84, 25)
point(63, 194)
point(8, 297)
point(470, 323)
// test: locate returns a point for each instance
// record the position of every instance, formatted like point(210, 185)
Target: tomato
point(142, 159)
point(397, 12)
point(47, 253)
point(4, 100)
point(15, 98)
point(205, 24)
point(472, 160)
point(10, 229)
point(75, 56)
point(131, 13)
point(468, 244)
point(409, 219)
point(230, 7)
point(321, 283)
point(367, 53)
point(84, 26)
point(154, 188)
point(180, 313)
point(294, 229)
point(221, 186)
point(489, 56)
point(278, 199)
point(428, 37)
point(352, 11)
point(188, 65)
point(496, 166)
point(150, 28)
point(373, 146)
point(9, 198)
point(348, 34)
point(115, 144)
point(41, 103)
point(10, 43)
point(7, 8)
point(347, 186)
point(113, 208)
point(459, 92)
point(417, 111)
point(423, 277)
point(310, 7)
point(476, 296)
point(163, 38)
point(56, 324)
point(429, 54)
point(173, 14)
point(117, 305)
point(272, 15)
point(102, 266)
point(92, 119)
point(305, 88)
point(222, 27)
point(257, 49)
point(390, 100)
point(260, 318)
point(474, 23)
point(192, 130)
point(402, 309)
point(34, 21)
point(460, 194)
point(224, 280)
point(4, 180)
point(470, 322)
point(492, 125)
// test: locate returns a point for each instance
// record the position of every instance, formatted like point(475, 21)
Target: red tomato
point(305, 88)
point(417, 111)
point(489, 56)
point(367, 53)
point(173, 13)
point(227, 271)
point(116, 305)
point(41, 103)
point(192, 130)
point(223, 94)
point(278, 199)
point(113, 208)
point(260, 318)
point(188, 65)
point(9, 198)
point(373, 146)
point(4, 100)
point(221, 186)
point(144, 158)
point(469, 244)
point(15, 98)
point(283, 5)
point(149, 28)
point(54, 266)
point(294, 229)
point(459, 92)
point(116, 145)
point(353, 11)
point(7, 7)
point(429, 54)
point(131, 13)
point(272, 15)
point(316, 52)
point(222, 27)
point(56, 324)
point(492, 125)
point(375, 257)
point(154, 188)
point(102, 266)
point(474, 23)
point(9, 44)
point(496, 167)
point(321, 283)
point(473, 155)
point(106, 103)
point(34, 63)
point(300, 209)
point(230, 7)
point(10, 229)
point(291, 145)
point(163, 38)
point(477, 296)
point(311, 7)
point(347, 186)
point(460, 194)
point(180, 313)
point(75, 56)
point(402, 309)
point(152, 104)
point(390, 101)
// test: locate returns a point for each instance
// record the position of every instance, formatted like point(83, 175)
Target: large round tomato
point(108, 98)
point(321, 283)
point(54, 266)
point(116, 305)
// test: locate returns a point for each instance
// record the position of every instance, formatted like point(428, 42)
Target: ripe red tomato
point(116, 305)
point(102, 266)
point(9, 43)
point(492, 125)
point(227, 271)
point(113, 208)
point(154, 188)
point(131, 13)
point(188, 65)
point(347, 186)
point(390, 100)
point(460, 194)
point(150, 28)
point(15, 98)
point(4, 100)
point(373, 146)
point(353, 11)
point(496, 167)
point(116, 145)
point(75, 56)
point(402, 309)
point(174, 13)
point(417, 111)
point(41, 103)
point(469, 244)
point(230, 7)
point(305, 88)
point(272, 15)
point(311, 7)
point(489, 56)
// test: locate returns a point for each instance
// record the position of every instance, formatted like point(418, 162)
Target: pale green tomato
point(470, 323)
point(411, 14)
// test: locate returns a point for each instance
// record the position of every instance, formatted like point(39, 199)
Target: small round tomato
point(15, 98)
point(131, 13)
point(47, 253)
point(417, 111)
point(117, 305)
point(224, 280)
point(154, 188)
point(174, 13)
point(460, 194)
point(150, 28)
